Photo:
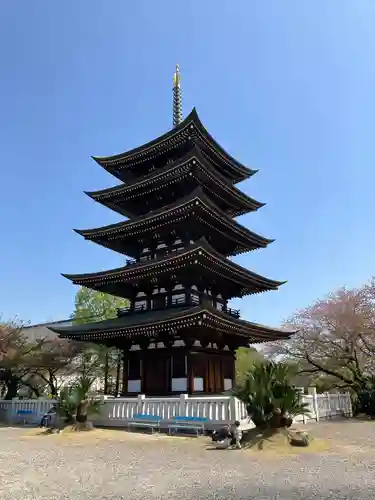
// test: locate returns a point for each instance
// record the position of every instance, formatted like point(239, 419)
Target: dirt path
point(118, 465)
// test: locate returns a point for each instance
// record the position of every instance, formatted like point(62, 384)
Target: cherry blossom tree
point(335, 338)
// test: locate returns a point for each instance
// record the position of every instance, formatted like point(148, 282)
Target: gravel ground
point(116, 465)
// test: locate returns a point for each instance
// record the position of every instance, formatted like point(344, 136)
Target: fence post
point(39, 408)
point(140, 402)
point(301, 391)
point(13, 410)
point(329, 405)
point(234, 412)
point(312, 392)
point(183, 405)
point(349, 404)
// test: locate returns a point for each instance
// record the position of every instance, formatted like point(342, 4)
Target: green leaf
point(92, 305)
point(267, 390)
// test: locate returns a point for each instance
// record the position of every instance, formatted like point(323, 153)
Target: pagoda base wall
point(119, 412)
point(178, 370)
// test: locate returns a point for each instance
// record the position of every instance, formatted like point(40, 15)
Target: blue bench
point(145, 420)
point(195, 424)
point(24, 414)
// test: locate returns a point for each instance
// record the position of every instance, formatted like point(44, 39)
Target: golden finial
point(176, 76)
point(177, 99)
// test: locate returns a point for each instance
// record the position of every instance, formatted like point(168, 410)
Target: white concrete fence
point(116, 412)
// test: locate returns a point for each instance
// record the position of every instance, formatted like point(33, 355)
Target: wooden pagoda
point(178, 333)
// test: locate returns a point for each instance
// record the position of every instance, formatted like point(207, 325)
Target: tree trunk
point(118, 369)
point(276, 420)
point(33, 389)
point(52, 385)
point(82, 408)
point(53, 390)
point(12, 386)
point(106, 373)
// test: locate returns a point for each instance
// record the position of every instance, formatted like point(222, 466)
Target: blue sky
point(286, 86)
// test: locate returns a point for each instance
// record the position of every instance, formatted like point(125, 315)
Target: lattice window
point(178, 298)
point(195, 298)
point(140, 304)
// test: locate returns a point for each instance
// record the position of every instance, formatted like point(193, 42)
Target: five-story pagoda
point(178, 334)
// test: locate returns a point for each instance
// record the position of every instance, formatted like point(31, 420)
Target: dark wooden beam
point(118, 373)
point(125, 367)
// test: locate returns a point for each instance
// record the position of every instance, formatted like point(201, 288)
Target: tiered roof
point(143, 159)
point(153, 323)
point(196, 210)
point(177, 187)
point(198, 259)
point(166, 185)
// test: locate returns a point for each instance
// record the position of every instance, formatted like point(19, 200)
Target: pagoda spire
point(177, 99)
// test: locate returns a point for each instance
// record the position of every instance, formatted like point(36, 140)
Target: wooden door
point(198, 367)
point(211, 375)
point(155, 376)
point(215, 379)
point(218, 376)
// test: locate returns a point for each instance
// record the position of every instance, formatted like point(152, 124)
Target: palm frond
point(267, 390)
point(75, 399)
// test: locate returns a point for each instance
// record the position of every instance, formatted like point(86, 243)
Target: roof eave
point(246, 172)
point(198, 193)
point(253, 331)
point(242, 172)
point(107, 193)
point(264, 284)
point(105, 160)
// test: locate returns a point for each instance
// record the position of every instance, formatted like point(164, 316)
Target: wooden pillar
point(168, 372)
point(143, 370)
point(190, 373)
point(220, 363)
point(144, 343)
point(125, 365)
point(118, 373)
point(152, 246)
point(219, 379)
point(233, 359)
point(169, 288)
point(214, 298)
point(106, 371)
point(212, 363)
point(132, 299)
point(148, 297)
point(168, 353)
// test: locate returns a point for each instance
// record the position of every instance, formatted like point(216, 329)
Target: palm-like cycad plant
point(74, 403)
point(270, 398)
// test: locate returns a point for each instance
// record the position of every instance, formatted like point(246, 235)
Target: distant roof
point(42, 331)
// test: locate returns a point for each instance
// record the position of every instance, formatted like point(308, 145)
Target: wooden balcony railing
point(179, 302)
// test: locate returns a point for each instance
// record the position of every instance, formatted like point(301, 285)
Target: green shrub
point(74, 403)
point(271, 399)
